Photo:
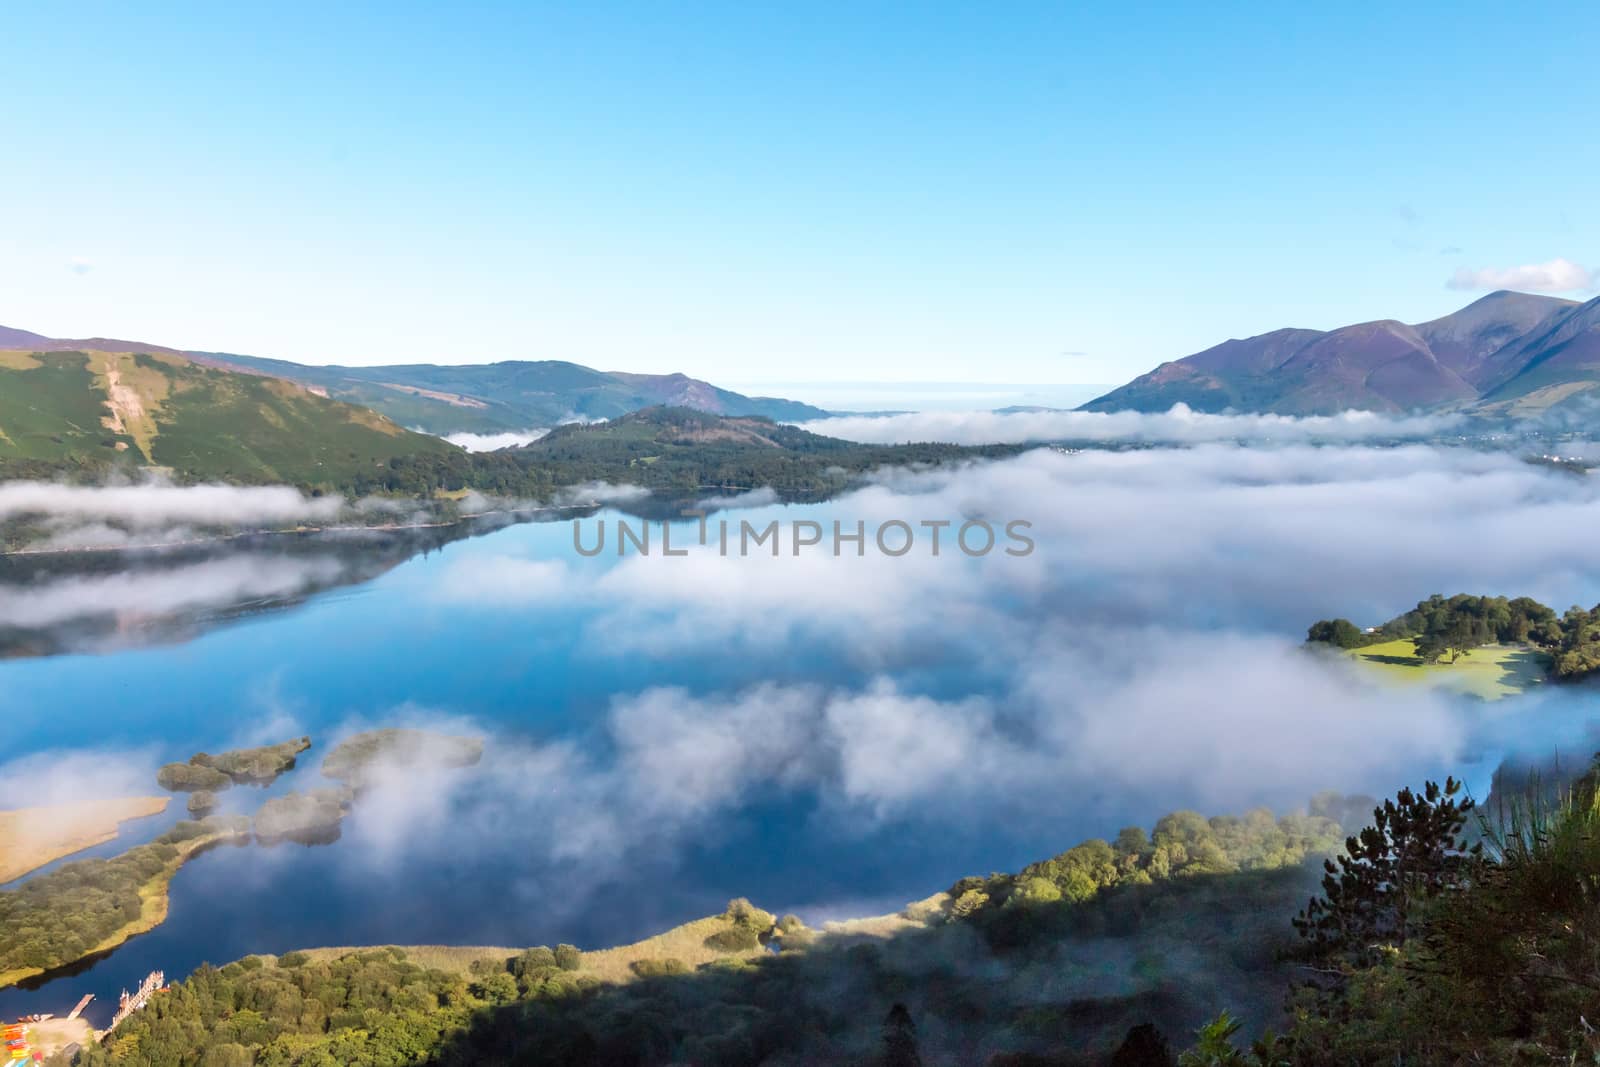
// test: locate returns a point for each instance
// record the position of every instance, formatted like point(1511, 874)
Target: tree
point(1214, 1045)
point(227, 1055)
point(496, 988)
point(1132, 841)
point(1429, 647)
point(900, 1039)
point(531, 961)
point(1412, 853)
point(1143, 1047)
point(734, 939)
point(651, 968)
point(1040, 891)
point(1341, 633)
point(1461, 638)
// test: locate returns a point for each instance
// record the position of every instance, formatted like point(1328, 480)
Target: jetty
point(129, 1003)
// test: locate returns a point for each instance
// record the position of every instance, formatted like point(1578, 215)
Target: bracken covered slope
point(63, 410)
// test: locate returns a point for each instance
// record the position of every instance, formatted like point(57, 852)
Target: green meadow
point(1491, 672)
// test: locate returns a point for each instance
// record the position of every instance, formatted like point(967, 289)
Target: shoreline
point(685, 941)
point(82, 825)
point(154, 905)
point(298, 531)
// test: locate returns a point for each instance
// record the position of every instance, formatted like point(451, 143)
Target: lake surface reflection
point(833, 736)
point(367, 632)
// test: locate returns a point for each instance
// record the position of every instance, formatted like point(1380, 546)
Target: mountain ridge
point(497, 396)
point(1485, 357)
point(511, 395)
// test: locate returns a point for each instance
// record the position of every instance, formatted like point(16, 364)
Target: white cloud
point(45, 779)
point(599, 493)
point(1556, 276)
point(490, 442)
point(750, 498)
point(155, 505)
point(1223, 723)
point(1213, 535)
point(1153, 637)
point(1180, 425)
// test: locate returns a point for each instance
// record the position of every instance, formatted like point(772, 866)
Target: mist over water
point(825, 735)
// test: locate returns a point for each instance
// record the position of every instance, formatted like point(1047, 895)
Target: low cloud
point(1215, 723)
point(1151, 647)
point(45, 779)
point(750, 498)
point(1180, 425)
point(1211, 536)
point(493, 442)
point(153, 506)
point(599, 493)
point(1556, 276)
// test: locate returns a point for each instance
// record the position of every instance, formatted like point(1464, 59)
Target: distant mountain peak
point(1455, 361)
point(11, 338)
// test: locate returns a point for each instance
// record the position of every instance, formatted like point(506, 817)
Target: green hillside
point(93, 413)
point(512, 394)
point(97, 411)
point(676, 449)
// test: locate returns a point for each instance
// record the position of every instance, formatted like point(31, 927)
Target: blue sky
point(762, 192)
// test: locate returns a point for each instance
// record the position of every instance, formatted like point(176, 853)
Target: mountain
point(1505, 353)
point(511, 395)
point(1555, 364)
point(28, 341)
point(63, 409)
point(482, 398)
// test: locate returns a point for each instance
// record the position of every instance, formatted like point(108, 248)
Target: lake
point(832, 736)
point(389, 650)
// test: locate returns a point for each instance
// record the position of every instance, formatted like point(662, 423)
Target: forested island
point(211, 774)
point(363, 759)
point(1443, 630)
point(311, 818)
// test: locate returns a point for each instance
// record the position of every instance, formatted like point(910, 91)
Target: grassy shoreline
point(685, 942)
point(154, 904)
